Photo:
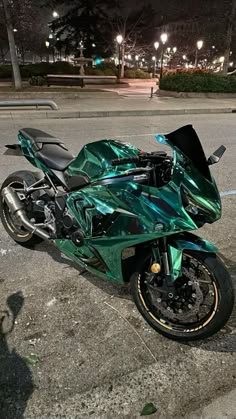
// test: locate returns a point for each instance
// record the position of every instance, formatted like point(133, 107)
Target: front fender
point(185, 241)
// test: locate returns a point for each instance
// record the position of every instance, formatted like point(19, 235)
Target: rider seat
point(48, 149)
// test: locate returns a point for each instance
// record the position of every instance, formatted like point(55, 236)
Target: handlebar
point(118, 162)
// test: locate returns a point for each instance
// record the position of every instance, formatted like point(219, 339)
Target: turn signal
point(155, 268)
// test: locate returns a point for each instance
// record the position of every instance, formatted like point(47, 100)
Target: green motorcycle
point(114, 199)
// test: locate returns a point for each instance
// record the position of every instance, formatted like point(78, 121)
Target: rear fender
point(185, 241)
point(13, 150)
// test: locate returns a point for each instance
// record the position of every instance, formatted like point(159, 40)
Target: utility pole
point(12, 46)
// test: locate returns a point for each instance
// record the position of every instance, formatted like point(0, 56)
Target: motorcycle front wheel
point(202, 303)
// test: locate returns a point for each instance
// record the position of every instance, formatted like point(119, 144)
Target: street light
point(55, 14)
point(154, 59)
point(47, 43)
point(199, 46)
point(119, 40)
point(156, 46)
point(164, 38)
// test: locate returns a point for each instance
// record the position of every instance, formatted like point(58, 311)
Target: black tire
point(17, 233)
point(223, 301)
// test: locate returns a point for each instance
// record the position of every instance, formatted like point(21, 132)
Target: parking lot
point(79, 348)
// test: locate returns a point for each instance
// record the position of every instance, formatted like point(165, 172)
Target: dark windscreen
point(187, 141)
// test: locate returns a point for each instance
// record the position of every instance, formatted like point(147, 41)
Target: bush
point(198, 82)
point(136, 74)
point(104, 69)
point(37, 81)
point(5, 72)
point(184, 70)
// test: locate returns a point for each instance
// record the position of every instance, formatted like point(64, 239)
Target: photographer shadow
point(16, 382)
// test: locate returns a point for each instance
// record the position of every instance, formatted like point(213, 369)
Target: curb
point(195, 95)
point(111, 114)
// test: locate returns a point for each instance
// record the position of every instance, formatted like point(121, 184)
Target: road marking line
point(227, 193)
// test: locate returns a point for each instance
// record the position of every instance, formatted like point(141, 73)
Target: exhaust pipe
point(16, 207)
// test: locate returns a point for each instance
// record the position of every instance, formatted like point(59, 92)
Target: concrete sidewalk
point(110, 104)
point(221, 408)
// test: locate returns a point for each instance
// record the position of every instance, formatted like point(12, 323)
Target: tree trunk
point(231, 23)
point(12, 47)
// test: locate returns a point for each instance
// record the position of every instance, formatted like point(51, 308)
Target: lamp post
point(119, 40)
point(154, 59)
point(164, 38)
point(47, 44)
point(156, 46)
point(199, 46)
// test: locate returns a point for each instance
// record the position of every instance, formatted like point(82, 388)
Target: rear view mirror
point(216, 156)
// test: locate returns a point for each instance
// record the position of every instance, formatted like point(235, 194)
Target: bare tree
point(231, 23)
point(136, 27)
point(12, 47)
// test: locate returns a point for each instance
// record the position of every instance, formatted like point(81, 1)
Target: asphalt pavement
point(79, 348)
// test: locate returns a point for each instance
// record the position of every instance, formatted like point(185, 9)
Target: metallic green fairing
point(94, 159)
point(180, 242)
point(131, 213)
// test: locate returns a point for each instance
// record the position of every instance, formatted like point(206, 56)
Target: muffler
point(16, 207)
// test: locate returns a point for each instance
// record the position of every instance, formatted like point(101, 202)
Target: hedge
point(136, 74)
point(198, 82)
point(42, 69)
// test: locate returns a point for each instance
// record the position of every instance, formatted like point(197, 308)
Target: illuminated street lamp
point(164, 38)
point(154, 59)
point(156, 46)
point(55, 14)
point(47, 43)
point(119, 40)
point(199, 46)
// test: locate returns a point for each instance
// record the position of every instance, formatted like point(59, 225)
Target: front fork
point(168, 251)
point(161, 254)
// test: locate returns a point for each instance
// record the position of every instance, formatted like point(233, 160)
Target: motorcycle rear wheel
point(216, 286)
